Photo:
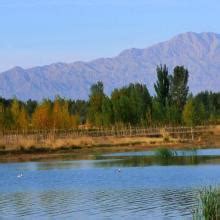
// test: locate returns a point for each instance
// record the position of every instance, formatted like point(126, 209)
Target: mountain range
point(199, 52)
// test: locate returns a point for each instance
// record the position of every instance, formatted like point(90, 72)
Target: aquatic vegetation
point(208, 204)
point(98, 155)
point(164, 153)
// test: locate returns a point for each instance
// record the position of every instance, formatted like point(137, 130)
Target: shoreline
point(88, 147)
point(90, 152)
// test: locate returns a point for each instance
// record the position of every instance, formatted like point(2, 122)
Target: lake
point(133, 185)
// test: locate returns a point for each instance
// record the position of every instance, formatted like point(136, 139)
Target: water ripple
point(127, 203)
point(151, 192)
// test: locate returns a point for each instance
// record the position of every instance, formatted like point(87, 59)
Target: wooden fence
point(39, 135)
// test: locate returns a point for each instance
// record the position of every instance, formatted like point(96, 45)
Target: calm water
point(145, 188)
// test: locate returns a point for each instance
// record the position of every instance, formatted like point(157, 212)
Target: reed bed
point(208, 204)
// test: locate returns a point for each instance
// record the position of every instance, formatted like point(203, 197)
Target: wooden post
point(192, 134)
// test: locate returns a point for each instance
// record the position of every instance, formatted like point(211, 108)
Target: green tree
point(161, 101)
point(131, 104)
point(178, 87)
point(78, 107)
point(173, 115)
point(162, 85)
point(30, 106)
point(211, 102)
point(96, 104)
point(193, 113)
point(158, 112)
point(121, 107)
point(107, 111)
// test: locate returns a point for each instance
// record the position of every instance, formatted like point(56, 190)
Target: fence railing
point(40, 137)
point(114, 131)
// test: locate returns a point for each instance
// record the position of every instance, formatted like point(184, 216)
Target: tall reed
point(164, 153)
point(208, 204)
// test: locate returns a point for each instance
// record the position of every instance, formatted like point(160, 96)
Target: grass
point(208, 204)
point(164, 153)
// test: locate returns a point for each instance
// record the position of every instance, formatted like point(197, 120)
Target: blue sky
point(38, 32)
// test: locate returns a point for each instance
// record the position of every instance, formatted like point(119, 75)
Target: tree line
point(172, 104)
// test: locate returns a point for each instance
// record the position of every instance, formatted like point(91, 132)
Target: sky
point(39, 32)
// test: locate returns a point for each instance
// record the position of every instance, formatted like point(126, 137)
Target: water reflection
point(186, 152)
point(149, 161)
point(149, 158)
point(132, 159)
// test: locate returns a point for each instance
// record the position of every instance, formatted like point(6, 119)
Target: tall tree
point(178, 87)
point(95, 104)
point(121, 106)
point(2, 116)
point(31, 106)
point(57, 113)
point(162, 85)
point(107, 111)
point(161, 101)
point(15, 110)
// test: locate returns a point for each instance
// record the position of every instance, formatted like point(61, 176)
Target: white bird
point(19, 175)
point(118, 170)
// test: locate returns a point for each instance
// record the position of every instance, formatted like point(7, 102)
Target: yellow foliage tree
point(42, 117)
point(61, 116)
point(74, 121)
point(15, 110)
point(23, 120)
point(2, 116)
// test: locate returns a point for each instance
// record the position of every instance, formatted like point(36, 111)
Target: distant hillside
point(200, 53)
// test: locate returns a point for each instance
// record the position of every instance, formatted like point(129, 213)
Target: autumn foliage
point(132, 105)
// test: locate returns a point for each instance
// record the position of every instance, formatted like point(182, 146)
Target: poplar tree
point(95, 107)
point(179, 87)
point(162, 85)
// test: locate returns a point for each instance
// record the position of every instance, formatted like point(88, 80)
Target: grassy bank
point(31, 148)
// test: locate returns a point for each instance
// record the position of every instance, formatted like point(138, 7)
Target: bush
point(164, 153)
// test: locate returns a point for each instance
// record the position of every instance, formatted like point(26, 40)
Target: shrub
point(164, 153)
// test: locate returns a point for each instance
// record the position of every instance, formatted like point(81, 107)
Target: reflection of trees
point(137, 161)
point(57, 165)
